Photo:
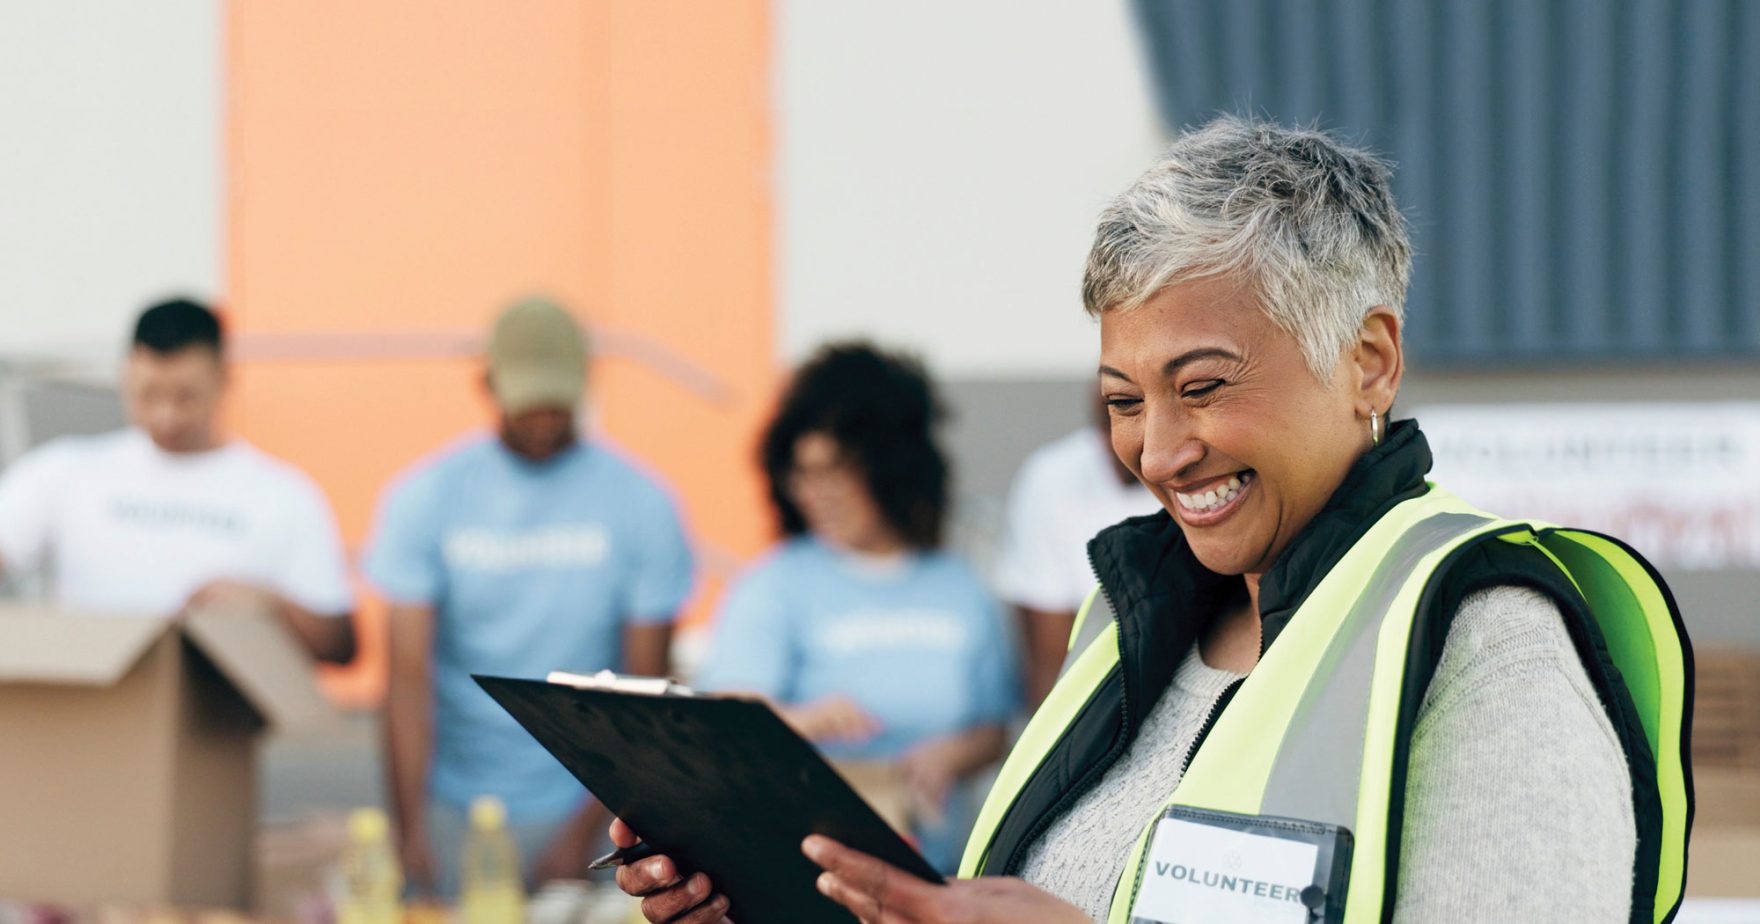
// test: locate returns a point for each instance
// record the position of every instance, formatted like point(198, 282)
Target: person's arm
point(409, 737)
point(310, 587)
point(403, 562)
point(327, 637)
point(660, 585)
point(1518, 801)
point(1045, 637)
point(932, 767)
point(964, 753)
point(647, 648)
point(669, 896)
point(835, 718)
point(1032, 575)
point(874, 890)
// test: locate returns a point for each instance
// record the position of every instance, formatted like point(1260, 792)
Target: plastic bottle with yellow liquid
point(493, 889)
point(372, 883)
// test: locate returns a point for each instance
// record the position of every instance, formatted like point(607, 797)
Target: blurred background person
point(872, 641)
point(530, 550)
point(1067, 491)
point(169, 514)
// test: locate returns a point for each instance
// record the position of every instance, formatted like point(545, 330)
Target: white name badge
point(1205, 867)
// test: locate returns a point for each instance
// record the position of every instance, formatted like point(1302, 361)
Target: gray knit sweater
point(1518, 805)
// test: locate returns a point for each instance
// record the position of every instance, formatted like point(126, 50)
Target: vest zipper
point(1216, 712)
point(1203, 732)
point(1209, 720)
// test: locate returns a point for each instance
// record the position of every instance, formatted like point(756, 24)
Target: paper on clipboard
point(620, 683)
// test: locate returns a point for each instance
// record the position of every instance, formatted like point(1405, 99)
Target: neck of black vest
point(1164, 598)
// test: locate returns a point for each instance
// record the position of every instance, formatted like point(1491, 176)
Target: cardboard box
point(128, 752)
point(1723, 853)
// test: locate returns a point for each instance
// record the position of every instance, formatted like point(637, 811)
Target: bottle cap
point(368, 825)
point(487, 813)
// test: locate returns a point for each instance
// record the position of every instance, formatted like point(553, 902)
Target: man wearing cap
point(517, 553)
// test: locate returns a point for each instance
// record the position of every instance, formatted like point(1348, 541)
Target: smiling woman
point(1215, 408)
point(1315, 673)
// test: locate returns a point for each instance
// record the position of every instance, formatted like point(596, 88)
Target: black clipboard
point(722, 785)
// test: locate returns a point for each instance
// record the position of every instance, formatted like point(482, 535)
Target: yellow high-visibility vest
point(1340, 665)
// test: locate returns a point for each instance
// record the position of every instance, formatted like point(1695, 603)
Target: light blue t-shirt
point(919, 643)
point(530, 568)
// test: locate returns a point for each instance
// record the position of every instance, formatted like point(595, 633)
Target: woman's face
point(832, 495)
point(1214, 408)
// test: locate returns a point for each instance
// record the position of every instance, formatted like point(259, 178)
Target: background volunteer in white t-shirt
point(166, 514)
point(1067, 491)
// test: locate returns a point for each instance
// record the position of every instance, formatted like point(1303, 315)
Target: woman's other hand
point(668, 897)
point(833, 718)
point(879, 893)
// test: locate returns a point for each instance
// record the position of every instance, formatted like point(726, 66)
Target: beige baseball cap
point(537, 358)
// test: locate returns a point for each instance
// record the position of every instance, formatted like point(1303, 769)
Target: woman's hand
point(879, 893)
point(667, 896)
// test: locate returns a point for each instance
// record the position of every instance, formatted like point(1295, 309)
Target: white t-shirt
point(129, 529)
point(1067, 491)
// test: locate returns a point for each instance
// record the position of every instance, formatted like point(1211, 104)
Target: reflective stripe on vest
point(1310, 733)
point(1091, 620)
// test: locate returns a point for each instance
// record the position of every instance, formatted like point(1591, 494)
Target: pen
point(624, 856)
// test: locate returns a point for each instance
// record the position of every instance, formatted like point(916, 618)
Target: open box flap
point(263, 660)
point(39, 644)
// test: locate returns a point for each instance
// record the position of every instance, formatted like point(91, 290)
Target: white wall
point(940, 167)
point(110, 167)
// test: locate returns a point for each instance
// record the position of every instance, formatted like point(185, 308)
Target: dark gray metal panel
point(1700, 176)
point(1581, 175)
point(1743, 189)
point(1525, 248)
point(1585, 205)
point(1643, 60)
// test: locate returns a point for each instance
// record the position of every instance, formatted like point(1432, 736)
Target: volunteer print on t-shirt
point(126, 528)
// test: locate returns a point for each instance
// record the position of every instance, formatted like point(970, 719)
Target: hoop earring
point(1375, 430)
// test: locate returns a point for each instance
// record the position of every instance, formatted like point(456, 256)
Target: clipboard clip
point(619, 683)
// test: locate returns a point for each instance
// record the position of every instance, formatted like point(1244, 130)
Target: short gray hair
point(1307, 221)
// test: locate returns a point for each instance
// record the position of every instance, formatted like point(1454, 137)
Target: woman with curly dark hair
point(870, 640)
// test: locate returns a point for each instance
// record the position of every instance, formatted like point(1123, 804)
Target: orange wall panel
point(406, 164)
point(400, 170)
